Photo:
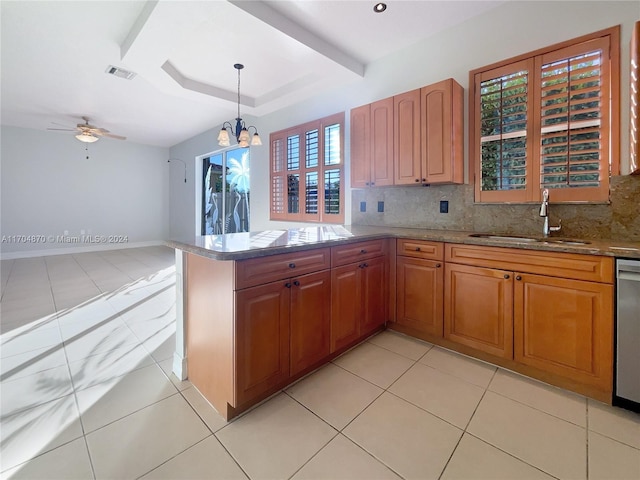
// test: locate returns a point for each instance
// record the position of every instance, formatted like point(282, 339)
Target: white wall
point(512, 29)
point(49, 186)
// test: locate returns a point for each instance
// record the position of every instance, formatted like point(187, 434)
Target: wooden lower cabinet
point(281, 329)
point(310, 320)
point(261, 339)
point(419, 297)
point(478, 308)
point(565, 327)
point(359, 293)
point(346, 310)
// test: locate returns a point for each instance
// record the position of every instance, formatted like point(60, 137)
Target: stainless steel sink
point(505, 238)
point(566, 241)
point(523, 239)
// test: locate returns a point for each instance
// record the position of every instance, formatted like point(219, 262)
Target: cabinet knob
point(292, 265)
point(417, 180)
point(424, 179)
point(368, 183)
point(296, 283)
point(417, 249)
point(506, 276)
point(518, 277)
point(363, 251)
point(438, 265)
point(373, 183)
point(288, 285)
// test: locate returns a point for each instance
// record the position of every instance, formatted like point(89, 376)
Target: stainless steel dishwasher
point(627, 386)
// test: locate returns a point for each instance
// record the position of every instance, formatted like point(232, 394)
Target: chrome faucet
point(544, 212)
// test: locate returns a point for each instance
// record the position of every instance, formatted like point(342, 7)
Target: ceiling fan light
point(87, 138)
point(255, 140)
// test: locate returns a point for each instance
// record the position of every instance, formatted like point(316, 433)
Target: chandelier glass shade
point(240, 130)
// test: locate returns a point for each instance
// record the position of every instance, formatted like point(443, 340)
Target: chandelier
point(241, 132)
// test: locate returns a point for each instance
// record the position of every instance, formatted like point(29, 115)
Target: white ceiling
point(54, 57)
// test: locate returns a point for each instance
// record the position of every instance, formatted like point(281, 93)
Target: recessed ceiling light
point(379, 7)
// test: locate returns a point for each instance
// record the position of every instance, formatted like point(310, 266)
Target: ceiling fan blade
point(62, 124)
point(63, 129)
point(111, 135)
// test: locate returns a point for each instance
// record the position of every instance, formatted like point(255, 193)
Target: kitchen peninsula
point(256, 311)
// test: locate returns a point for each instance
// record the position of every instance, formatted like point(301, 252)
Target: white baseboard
point(76, 249)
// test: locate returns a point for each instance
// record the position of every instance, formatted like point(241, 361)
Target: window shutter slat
point(570, 153)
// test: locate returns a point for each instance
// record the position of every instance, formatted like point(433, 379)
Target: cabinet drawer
point(566, 265)
point(354, 252)
point(257, 271)
point(420, 249)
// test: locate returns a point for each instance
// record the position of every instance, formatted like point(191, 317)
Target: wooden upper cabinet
point(442, 107)
point(361, 146)
point(406, 139)
point(372, 144)
point(382, 142)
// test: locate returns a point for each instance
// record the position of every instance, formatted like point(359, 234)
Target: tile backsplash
point(419, 207)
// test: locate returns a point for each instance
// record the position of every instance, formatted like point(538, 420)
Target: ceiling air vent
point(120, 72)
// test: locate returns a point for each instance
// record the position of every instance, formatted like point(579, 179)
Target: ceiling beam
point(268, 15)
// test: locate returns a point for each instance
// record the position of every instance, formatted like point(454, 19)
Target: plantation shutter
point(573, 116)
point(307, 170)
point(278, 179)
point(504, 96)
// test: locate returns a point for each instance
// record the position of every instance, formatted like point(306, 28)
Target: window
point(548, 119)
point(225, 192)
point(307, 171)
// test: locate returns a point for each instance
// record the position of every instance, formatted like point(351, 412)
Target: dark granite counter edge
point(609, 248)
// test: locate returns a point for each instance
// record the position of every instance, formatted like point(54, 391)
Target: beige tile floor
point(87, 392)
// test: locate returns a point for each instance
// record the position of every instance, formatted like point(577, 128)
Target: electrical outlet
point(363, 206)
point(444, 206)
point(380, 207)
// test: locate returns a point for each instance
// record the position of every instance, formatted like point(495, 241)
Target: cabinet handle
point(363, 251)
point(292, 265)
point(363, 265)
point(288, 285)
point(438, 265)
point(417, 249)
point(506, 276)
point(296, 283)
point(518, 277)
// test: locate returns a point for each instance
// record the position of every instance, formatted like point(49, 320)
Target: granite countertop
point(238, 246)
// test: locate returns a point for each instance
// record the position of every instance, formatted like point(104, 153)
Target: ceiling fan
point(89, 133)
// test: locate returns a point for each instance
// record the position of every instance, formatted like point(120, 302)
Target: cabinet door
point(442, 132)
point(346, 305)
point(374, 294)
point(360, 147)
point(382, 142)
point(262, 339)
point(478, 309)
point(565, 327)
point(420, 285)
point(310, 319)
point(406, 139)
